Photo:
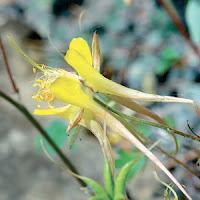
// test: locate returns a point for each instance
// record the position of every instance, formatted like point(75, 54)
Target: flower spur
point(79, 57)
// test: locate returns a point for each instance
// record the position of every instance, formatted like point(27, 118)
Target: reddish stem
point(179, 25)
point(8, 70)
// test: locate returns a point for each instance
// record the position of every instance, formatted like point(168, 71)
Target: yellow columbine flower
point(59, 85)
point(66, 88)
point(79, 57)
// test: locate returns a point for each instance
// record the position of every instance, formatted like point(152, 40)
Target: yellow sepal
point(81, 46)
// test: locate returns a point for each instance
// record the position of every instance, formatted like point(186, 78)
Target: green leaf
point(97, 198)
point(57, 131)
point(108, 179)
point(162, 68)
point(169, 57)
point(121, 181)
point(169, 54)
point(120, 197)
point(96, 188)
point(125, 157)
point(192, 18)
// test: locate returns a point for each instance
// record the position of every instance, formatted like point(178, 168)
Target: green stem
point(14, 44)
point(34, 122)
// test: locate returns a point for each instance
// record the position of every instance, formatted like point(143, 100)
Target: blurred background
point(141, 48)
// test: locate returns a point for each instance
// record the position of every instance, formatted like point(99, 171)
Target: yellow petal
point(90, 75)
point(78, 62)
point(81, 46)
point(51, 111)
point(69, 91)
point(67, 112)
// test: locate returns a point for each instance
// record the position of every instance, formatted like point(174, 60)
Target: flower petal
point(81, 46)
point(68, 90)
point(68, 112)
point(51, 111)
point(78, 62)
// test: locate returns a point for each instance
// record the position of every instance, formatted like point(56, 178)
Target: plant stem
point(7, 66)
point(165, 127)
point(35, 123)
